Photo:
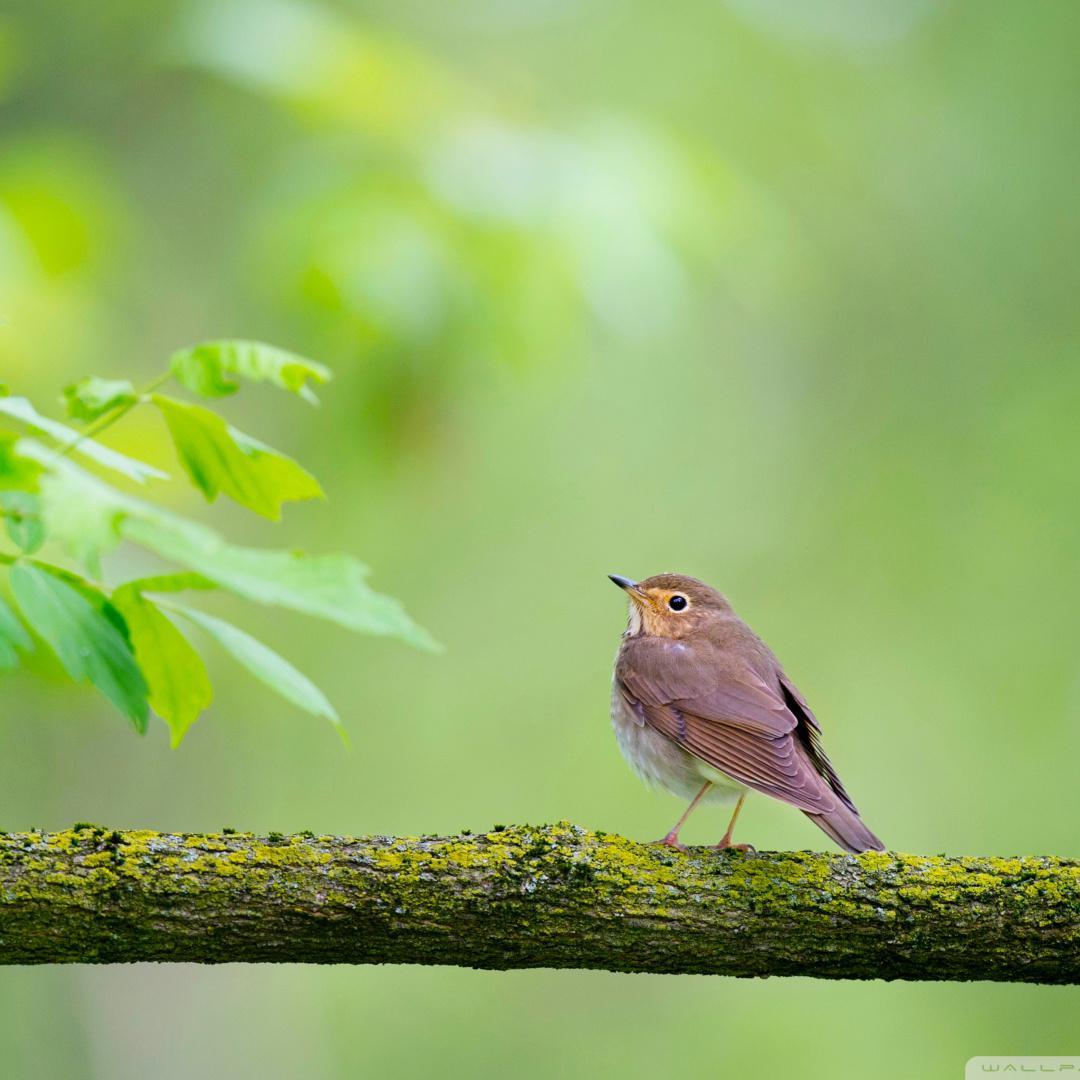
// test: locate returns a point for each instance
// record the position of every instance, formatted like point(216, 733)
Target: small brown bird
point(703, 708)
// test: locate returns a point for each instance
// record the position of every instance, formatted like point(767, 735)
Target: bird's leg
point(726, 843)
point(672, 838)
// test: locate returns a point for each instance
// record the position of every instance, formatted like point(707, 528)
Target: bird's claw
point(671, 841)
point(729, 846)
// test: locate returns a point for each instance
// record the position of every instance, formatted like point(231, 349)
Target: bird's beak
point(630, 586)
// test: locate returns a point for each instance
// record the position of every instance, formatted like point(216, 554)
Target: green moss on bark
point(551, 896)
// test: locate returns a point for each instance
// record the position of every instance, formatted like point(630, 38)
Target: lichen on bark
point(546, 896)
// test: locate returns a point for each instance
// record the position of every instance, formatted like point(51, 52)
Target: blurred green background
point(782, 295)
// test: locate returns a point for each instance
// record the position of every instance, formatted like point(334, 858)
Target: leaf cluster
point(62, 511)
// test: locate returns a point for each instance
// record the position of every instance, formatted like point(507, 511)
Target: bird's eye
point(677, 602)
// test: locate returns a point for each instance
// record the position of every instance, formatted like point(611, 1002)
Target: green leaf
point(85, 635)
point(265, 664)
point(179, 687)
point(170, 583)
point(218, 458)
point(79, 511)
point(327, 586)
point(92, 397)
point(212, 368)
point(16, 471)
point(19, 408)
point(22, 519)
point(12, 636)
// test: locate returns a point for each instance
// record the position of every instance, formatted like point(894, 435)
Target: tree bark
point(554, 896)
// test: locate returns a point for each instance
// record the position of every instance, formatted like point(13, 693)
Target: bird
point(702, 708)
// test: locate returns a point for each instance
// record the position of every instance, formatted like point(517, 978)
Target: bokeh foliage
point(782, 295)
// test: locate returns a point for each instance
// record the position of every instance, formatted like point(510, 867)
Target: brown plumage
point(703, 708)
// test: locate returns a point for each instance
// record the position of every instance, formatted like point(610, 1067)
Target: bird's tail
point(846, 827)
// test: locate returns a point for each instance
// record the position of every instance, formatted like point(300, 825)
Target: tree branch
point(554, 896)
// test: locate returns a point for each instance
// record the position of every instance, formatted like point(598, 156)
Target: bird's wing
point(733, 721)
point(809, 732)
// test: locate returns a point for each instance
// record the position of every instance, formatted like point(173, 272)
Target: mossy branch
point(554, 896)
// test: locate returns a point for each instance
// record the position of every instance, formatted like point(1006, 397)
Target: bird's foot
point(672, 840)
point(727, 845)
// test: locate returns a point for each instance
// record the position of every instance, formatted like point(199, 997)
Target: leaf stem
point(104, 422)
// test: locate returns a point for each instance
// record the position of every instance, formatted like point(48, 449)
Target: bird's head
point(671, 605)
